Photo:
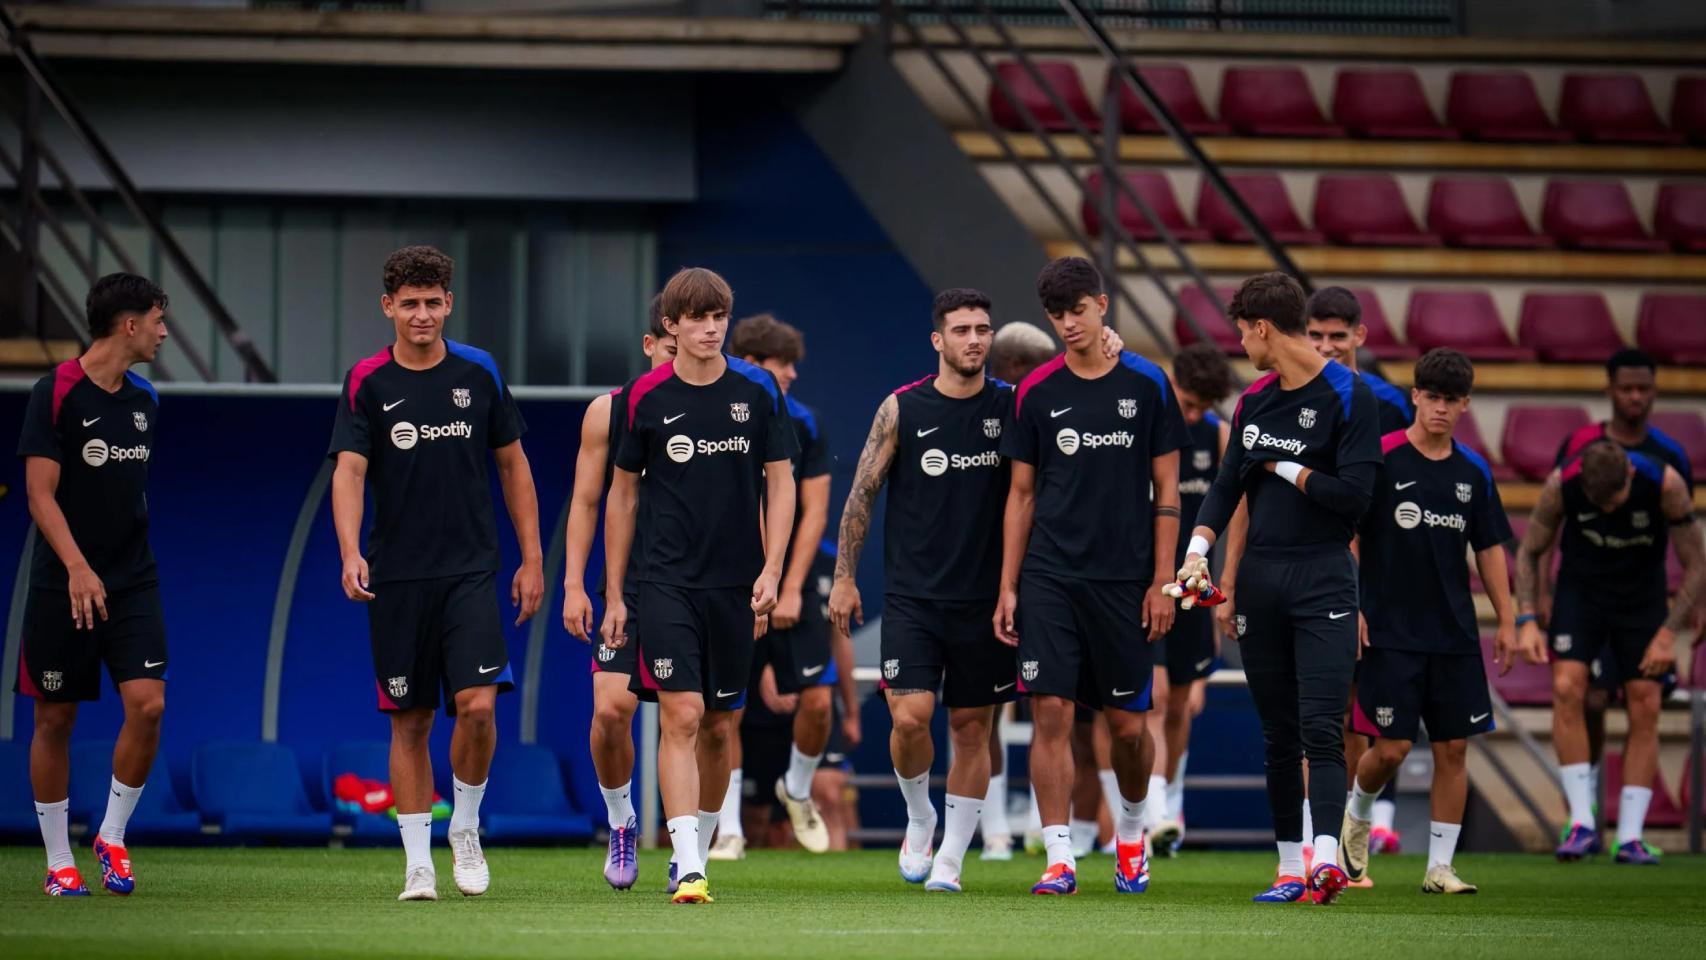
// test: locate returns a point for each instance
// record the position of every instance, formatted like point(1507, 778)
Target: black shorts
point(59, 663)
point(621, 659)
point(697, 640)
point(1616, 636)
point(1402, 689)
point(947, 645)
point(801, 654)
point(1187, 651)
point(437, 637)
point(1084, 640)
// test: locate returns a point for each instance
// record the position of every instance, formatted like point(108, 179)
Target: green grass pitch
point(554, 903)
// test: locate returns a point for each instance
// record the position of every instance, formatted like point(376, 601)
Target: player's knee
point(1391, 753)
point(54, 721)
point(679, 716)
point(815, 700)
point(1452, 754)
point(1125, 725)
point(411, 726)
point(969, 729)
point(1568, 692)
point(476, 711)
point(610, 717)
point(1053, 718)
point(716, 727)
point(910, 724)
point(1642, 701)
point(146, 710)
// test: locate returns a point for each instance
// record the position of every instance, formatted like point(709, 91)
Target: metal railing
point(1391, 18)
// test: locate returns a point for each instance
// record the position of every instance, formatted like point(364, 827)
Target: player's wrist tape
point(1289, 470)
point(1198, 545)
point(1526, 618)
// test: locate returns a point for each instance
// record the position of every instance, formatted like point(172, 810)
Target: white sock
point(416, 829)
point(1083, 834)
point(684, 840)
point(1361, 804)
point(1034, 817)
point(1578, 790)
point(994, 820)
point(1593, 785)
point(1308, 821)
point(1176, 791)
point(1156, 812)
point(920, 813)
point(1385, 814)
point(1632, 813)
point(56, 833)
point(707, 825)
point(1291, 858)
point(959, 821)
point(1110, 791)
point(618, 804)
point(728, 819)
point(465, 815)
point(1442, 842)
point(1129, 824)
point(798, 780)
point(1057, 840)
point(119, 805)
point(1326, 850)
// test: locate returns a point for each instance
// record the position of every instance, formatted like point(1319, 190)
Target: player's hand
point(845, 604)
point(1362, 634)
point(1111, 343)
point(760, 627)
point(89, 596)
point(1006, 616)
point(1660, 657)
point(775, 702)
point(763, 595)
point(355, 579)
point(1532, 642)
point(851, 734)
point(787, 612)
point(577, 612)
point(1158, 612)
point(527, 590)
point(1505, 648)
point(615, 627)
point(1225, 617)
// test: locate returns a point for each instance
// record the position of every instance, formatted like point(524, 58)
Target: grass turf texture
point(554, 903)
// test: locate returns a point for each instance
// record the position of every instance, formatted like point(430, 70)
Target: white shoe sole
point(473, 887)
point(942, 886)
point(408, 895)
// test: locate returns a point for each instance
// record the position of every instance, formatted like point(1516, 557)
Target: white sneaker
point(472, 875)
point(1165, 836)
point(998, 847)
point(809, 828)
point(942, 880)
point(915, 864)
point(1443, 879)
point(729, 847)
point(421, 884)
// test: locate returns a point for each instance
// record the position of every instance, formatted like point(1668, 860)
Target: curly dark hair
point(1202, 369)
point(1446, 372)
point(767, 338)
point(1064, 282)
point(117, 294)
point(418, 266)
point(1272, 296)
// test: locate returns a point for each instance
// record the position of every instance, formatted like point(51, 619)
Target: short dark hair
point(1271, 296)
point(418, 266)
point(1629, 357)
point(654, 318)
point(695, 292)
point(957, 298)
point(1064, 282)
point(115, 295)
point(1202, 369)
point(1334, 303)
point(1446, 372)
point(1605, 468)
point(767, 338)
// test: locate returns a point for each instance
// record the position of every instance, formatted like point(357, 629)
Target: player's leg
point(1189, 659)
point(1270, 670)
point(1458, 706)
point(1178, 746)
point(1640, 762)
point(1390, 700)
point(1052, 661)
point(715, 747)
point(50, 779)
point(1578, 638)
point(476, 669)
point(1084, 821)
point(1324, 622)
point(913, 753)
point(612, 741)
point(997, 831)
point(1122, 677)
point(680, 713)
point(731, 831)
point(968, 783)
point(58, 665)
point(133, 643)
point(1052, 776)
point(403, 632)
point(803, 666)
point(1160, 691)
point(411, 790)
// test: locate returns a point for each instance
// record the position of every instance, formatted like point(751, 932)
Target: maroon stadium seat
point(1679, 216)
point(1386, 104)
point(1594, 215)
point(1688, 108)
point(1664, 812)
point(1264, 194)
point(1612, 108)
point(1464, 320)
point(1155, 191)
point(1172, 83)
point(1686, 427)
point(1568, 327)
point(1672, 327)
point(1382, 341)
point(1367, 210)
point(1468, 433)
point(1533, 435)
point(1272, 102)
point(1062, 77)
point(1498, 105)
point(1527, 685)
point(1480, 212)
point(1210, 318)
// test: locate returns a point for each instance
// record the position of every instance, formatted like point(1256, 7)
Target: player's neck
point(1297, 362)
point(1628, 434)
point(105, 363)
point(1089, 363)
point(954, 384)
point(1431, 446)
point(412, 356)
point(699, 373)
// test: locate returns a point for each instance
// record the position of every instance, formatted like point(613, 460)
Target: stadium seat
point(1382, 341)
point(1468, 433)
point(1686, 427)
point(1209, 317)
point(158, 816)
point(1367, 210)
point(525, 800)
point(1611, 108)
point(1568, 327)
point(370, 760)
point(1386, 104)
point(1672, 327)
point(1527, 685)
point(1594, 215)
point(1480, 212)
point(1264, 194)
point(1534, 433)
point(253, 791)
point(1172, 83)
point(1062, 77)
point(1679, 216)
point(1465, 320)
point(1272, 102)
point(1155, 191)
point(1663, 813)
point(1688, 108)
point(1498, 105)
point(17, 802)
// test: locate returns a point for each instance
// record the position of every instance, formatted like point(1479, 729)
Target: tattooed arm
point(1543, 524)
point(1685, 535)
point(873, 470)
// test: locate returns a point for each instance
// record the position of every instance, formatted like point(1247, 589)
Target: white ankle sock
point(728, 818)
point(994, 821)
point(1033, 817)
point(1361, 804)
point(1578, 790)
point(1156, 812)
point(1326, 849)
point(1176, 791)
point(1291, 858)
point(1129, 825)
point(798, 780)
point(1385, 814)
point(959, 822)
point(618, 804)
point(465, 815)
point(55, 833)
point(1442, 842)
point(1110, 793)
point(1083, 834)
point(707, 824)
point(121, 800)
point(1057, 840)
point(684, 840)
point(920, 813)
point(416, 829)
point(1632, 813)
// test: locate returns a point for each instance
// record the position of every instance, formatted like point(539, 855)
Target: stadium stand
point(1468, 433)
point(1173, 84)
point(1527, 685)
point(1386, 104)
point(1209, 317)
point(1480, 212)
point(1664, 812)
point(1367, 211)
point(159, 817)
point(526, 802)
point(1155, 192)
point(1670, 328)
point(252, 792)
point(1686, 427)
point(1595, 215)
point(1688, 108)
point(1533, 434)
point(1611, 107)
point(1272, 102)
point(1499, 105)
point(1061, 77)
point(1568, 327)
point(1381, 340)
point(1265, 195)
point(1465, 320)
point(1679, 216)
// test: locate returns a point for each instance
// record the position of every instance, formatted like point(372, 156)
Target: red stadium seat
point(1172, 83)
point(1595, 215)
point(1272, 102)
point(1663, 812)
point(1688, 108)
point(1533, 435)
point(1382, 341)
point(1209, 317)
point(1498, 105)
point(1464, 320)
point(1611, 108)
point(1568, 327)
point(1155, 191)
point(1386, 104)
point(1672, 327)
point(1264, 194)
point(1468, 433)
point(1480, 212)
point(1679, 216)
point(1686, 427)
point(1367, 210)
point(1062, 77)
point(1527, 685)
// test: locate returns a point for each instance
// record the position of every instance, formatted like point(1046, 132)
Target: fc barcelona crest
point(461, 397)
point(1639, 520)
point(1202, 459)
point(1028, 670)
point(1128, 408)
point(397, 687)
point(891, 669)
point(605, 654)
point(52, 680)
point(740, 412)
point(140, 419)
point(1464, 492)
point(1306, 417)
point(663, 667)
point(1383, 716)
point(992, 428)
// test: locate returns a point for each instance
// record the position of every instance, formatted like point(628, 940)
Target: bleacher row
point(253, 792)
point(1276, 101)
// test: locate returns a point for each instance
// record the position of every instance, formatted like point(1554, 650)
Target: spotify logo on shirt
point(934, 463)
point(679, 448)
point(1070, 441)
point(97, 453)
point(405, 435)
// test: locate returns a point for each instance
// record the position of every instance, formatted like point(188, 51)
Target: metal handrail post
point(29, 228)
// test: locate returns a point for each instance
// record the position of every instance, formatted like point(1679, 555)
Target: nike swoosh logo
point(1056, 413)
point(812, 671)
point(1405, 486)
point(387, 406)
point(486, 670)
point(1476, 720)
point(669, 420)
point(90, 423)
point(1586, 517)
point(1338, 616)
point(926, 433)
point(151, 664)
point(1124, 693)
point(1205, 664)
point(725, 694)
point(1006, 687)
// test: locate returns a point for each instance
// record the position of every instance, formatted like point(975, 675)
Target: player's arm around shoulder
point(1543, 523)
point(872, 472)
point(582, 524)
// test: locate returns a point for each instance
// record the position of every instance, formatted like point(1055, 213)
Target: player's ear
point(386, 303)
point(449, 302)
